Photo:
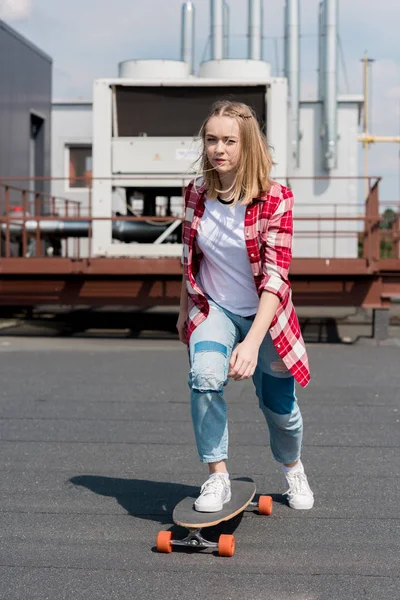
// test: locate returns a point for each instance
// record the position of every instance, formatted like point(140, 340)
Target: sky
point(88, 38)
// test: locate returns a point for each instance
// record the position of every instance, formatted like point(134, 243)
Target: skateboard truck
point(226, 543)
point(195, 540)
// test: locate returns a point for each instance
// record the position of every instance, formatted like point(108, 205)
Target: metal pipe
point(226, 29)
point(321, 51)
point(331, 84)
point(124, 231)
point(292, 72)
point(187, 34)
point(255, 29)
point(217, 29)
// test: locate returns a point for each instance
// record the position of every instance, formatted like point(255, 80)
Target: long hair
point(255, 162)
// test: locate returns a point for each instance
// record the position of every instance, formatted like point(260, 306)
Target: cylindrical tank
point(237, 69)
point(153, 69)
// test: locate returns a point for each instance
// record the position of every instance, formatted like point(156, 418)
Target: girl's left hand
point(243, 361)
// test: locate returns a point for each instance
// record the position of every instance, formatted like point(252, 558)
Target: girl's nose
point(220, 146)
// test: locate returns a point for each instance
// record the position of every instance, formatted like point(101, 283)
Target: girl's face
point(222, 143)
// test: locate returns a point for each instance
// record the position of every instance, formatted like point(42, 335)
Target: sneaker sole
point(301, 506)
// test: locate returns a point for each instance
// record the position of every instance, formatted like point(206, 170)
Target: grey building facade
point(25, 110)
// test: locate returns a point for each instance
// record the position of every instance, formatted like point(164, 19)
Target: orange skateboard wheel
point(226, 545)
point(265, 505)
point(164, 541)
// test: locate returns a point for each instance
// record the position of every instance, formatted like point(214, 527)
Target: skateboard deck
point(184, 515)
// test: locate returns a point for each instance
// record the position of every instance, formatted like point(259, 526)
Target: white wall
point(327, 197)
point(71, 124)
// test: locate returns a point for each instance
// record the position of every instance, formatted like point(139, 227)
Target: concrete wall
point(25, 89)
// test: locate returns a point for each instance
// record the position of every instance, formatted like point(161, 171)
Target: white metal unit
point(161, 162)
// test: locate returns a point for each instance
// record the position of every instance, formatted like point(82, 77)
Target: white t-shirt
point(225, 272)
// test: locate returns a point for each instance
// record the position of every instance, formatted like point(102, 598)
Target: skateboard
point(184, 514)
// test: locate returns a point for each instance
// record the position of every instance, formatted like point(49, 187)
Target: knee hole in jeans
point(209, 368)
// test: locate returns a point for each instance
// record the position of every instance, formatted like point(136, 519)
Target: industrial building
point(143, 133)
point(121, 161)
point(25, 110)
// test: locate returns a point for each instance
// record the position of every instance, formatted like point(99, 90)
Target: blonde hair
point(255, 162)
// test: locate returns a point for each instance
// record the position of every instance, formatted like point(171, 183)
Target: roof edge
point(25, 41)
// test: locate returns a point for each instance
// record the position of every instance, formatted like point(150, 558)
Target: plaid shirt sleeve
point(277, 242)
point(184, 224)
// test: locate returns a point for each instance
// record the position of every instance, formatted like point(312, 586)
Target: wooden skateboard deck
point(184, 514)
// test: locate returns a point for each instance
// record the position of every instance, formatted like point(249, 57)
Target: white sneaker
point(299, 493)
point(214, 493)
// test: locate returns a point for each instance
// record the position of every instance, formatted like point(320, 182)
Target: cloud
point(15, 9)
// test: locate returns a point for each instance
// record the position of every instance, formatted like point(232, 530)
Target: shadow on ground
point(143, 324)
point(143, 499)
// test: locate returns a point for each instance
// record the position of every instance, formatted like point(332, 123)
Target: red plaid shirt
point(268, 233)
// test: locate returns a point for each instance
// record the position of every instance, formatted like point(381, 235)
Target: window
point(80, 166)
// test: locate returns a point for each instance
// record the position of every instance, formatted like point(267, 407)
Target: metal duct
point(226, 29)
point(217, 29)
point(331, 84)
point(255, 30)
point(187, 34)
point(292, 72)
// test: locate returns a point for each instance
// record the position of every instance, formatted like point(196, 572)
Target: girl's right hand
point(181, 327)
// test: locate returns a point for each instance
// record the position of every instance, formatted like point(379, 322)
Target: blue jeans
point(211, 345)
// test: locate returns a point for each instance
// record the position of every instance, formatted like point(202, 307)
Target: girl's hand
point(243, 361)
point(181, 327)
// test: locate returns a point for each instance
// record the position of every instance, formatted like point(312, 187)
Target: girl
point(236, 311)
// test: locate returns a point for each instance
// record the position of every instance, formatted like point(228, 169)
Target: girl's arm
point(244, 358)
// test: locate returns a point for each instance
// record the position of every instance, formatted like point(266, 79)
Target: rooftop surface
point(97, 448)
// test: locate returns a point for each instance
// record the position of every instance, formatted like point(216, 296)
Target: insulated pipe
point(292, 72)
point(217, 29)
point(331, 84)
point(255, 30)
point(187, 34)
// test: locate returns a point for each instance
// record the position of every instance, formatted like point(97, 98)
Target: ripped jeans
point(211, 345)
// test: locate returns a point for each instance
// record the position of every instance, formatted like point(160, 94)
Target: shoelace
point(212, 485)
point(297, 484)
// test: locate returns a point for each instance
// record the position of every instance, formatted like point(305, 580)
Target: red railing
point(320, 223)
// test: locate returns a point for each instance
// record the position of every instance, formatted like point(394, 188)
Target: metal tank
point(236, 69)
point(153, 69)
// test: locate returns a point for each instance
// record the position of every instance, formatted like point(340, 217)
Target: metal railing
point(33, 222)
